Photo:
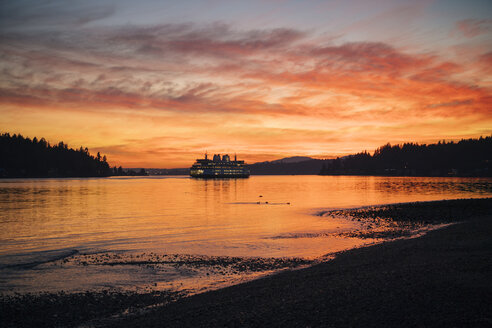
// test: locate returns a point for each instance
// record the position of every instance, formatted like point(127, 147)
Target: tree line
point(22, 157)
point(468, 157)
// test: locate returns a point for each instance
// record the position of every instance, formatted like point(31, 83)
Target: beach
point(440, 278)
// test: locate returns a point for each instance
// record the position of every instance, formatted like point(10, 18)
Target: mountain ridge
point(291, 159)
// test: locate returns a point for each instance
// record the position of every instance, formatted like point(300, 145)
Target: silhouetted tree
point(23, 157)
point(470, 157)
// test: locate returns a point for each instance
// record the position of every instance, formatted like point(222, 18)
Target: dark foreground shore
point(441, 279)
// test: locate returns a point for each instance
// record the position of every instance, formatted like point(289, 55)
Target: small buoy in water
point(288, 203)
point(266, 202)
point(260, 196)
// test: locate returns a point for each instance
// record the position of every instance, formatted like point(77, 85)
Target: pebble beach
point(428, 256)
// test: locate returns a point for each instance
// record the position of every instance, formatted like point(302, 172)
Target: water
point(43, 221)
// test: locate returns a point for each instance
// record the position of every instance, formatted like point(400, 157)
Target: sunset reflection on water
point(212, 217)
point(188, 235)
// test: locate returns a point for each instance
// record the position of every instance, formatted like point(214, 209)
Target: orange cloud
point(473, 27)
point(161, 95)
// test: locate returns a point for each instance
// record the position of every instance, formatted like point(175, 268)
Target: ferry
point(219, 167)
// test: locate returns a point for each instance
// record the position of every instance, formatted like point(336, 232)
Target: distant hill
point(285, 166)
point(288, 166)
point(293, 159)
point(178, 171)
point(468, 157)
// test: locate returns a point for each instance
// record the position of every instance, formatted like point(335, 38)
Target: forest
point(22, 157)
point(468, 157)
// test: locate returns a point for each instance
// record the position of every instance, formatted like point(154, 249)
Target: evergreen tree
point(23, 157)
point(468, 157)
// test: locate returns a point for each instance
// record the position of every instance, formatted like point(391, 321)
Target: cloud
point(485, 63)
point(264, 91)
point(214, 68)
point(453, 103)
point(35, 15)
point(473, 27)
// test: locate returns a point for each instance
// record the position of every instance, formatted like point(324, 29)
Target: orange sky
point(152, 91)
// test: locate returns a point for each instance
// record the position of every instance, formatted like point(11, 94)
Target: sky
point(158, 83)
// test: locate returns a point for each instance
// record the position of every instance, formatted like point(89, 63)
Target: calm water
point(43, 218)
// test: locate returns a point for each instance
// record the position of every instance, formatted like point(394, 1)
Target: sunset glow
point(156, 84)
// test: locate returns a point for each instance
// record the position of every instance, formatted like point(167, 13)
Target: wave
point(31, 260)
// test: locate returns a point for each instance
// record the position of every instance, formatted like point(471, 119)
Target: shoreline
point(252, 175)
point(232, 305)
point(438, 280)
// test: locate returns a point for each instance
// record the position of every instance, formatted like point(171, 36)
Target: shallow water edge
point(221, 271)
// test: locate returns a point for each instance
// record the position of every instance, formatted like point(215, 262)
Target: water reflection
point(437, 185)
point(210, 217)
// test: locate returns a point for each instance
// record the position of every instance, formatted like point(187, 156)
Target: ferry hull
point(219, 176)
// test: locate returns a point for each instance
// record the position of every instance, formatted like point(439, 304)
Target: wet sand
point(439, 279)
point(72, 307)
